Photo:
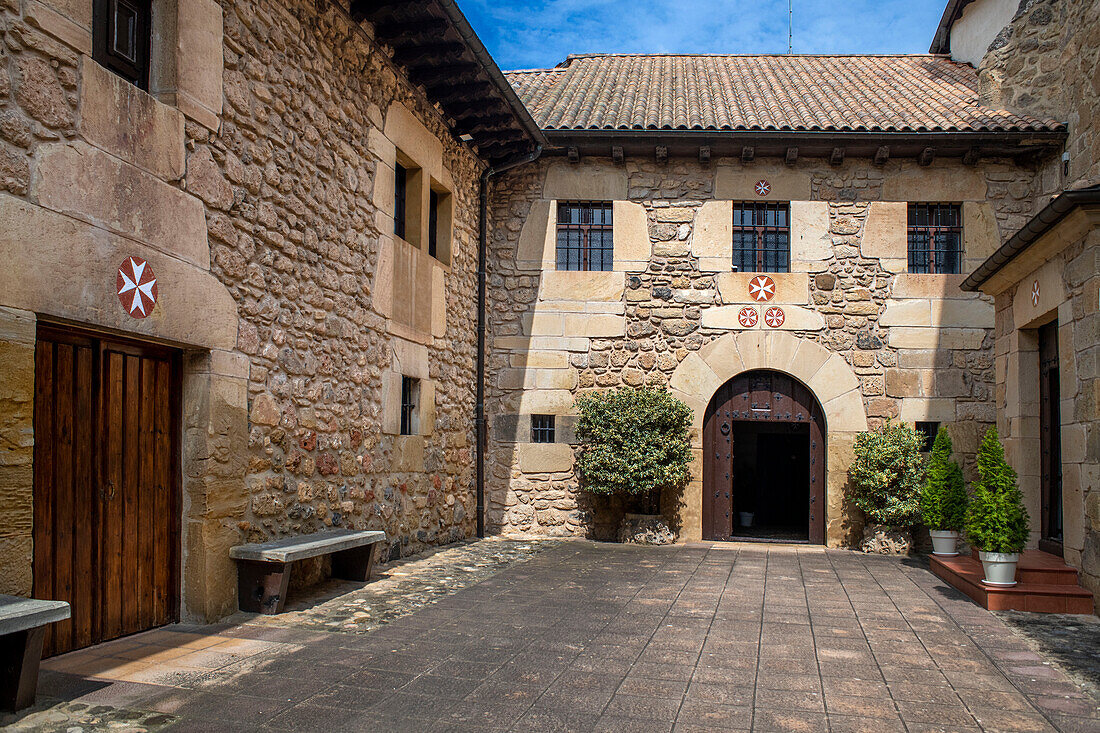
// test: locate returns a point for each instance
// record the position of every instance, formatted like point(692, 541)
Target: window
point(433, 223)
point(761, 237)
point(400, 191)
point(542, 428)
point(121, 38)
point(410, 406)
point(928, 430)
point(584, 236)
point(935, 238)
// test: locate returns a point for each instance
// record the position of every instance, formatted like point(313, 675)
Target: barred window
point(584, 236)
point(410, 406)
point(928, 431)
point(935, 238)
point(542, 428)
point(761, 237)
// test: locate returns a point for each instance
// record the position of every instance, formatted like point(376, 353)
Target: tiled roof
point(910, 93)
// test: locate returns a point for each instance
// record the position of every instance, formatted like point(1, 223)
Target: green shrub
point(886, 474)
point(943, 499)
point(996, 520)
point(633, 441)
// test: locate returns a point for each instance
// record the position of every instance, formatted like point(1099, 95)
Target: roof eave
point(941, 41)
point(1039, 225)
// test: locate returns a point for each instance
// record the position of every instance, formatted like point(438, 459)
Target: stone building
point(222, 320)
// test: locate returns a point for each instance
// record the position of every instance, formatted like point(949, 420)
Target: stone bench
point(263, 569)
point(22, 629)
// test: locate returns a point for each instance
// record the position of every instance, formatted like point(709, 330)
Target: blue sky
point(541, 33)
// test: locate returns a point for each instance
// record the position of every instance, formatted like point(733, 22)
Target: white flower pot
point(1000, 568)
point(944, 542)
point(746, 519)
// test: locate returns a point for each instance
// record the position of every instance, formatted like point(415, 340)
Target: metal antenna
point(790, 26)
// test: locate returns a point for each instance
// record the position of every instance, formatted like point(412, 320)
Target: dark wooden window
point(400, 186)
point(410, 405)
point(935, 238)
point(433, 222)
point(761, 237)
point(121, 38)
point(584, 236)
point(928, 431)
point(542, 428)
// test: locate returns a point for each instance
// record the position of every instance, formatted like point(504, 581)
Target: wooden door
point(763, 396)
point(106, 503)
point(1050, 440)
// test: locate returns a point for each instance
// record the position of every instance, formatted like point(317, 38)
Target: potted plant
point(943, 498)
point(886, 476)
point(635, 442)
point(996, 521)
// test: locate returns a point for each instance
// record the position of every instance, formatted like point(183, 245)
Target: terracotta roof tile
point(909, 93)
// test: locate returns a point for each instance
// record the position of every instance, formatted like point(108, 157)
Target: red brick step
point(1046, 584)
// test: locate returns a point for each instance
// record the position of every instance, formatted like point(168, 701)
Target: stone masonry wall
point(1047, 62)
point(857, 303)
point(287, 183)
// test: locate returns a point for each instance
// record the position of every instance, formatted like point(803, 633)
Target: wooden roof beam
point(926, 156)
point(792, 155)
point(837, 157)
point(882, 155)
point(747, 154)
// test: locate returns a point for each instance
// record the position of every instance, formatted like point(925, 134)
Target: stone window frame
point(760, 230)
point(425, 226)
point(912, 230)
point(543, 428)
point(410, 405)
point(585, 228)
point(105, 25)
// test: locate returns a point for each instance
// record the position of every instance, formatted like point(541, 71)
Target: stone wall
point(252, 176)
point(914, 346)
point(1046, 61)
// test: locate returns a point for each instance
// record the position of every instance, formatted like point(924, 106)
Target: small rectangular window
point(585, 234)
point(410, 406)
point(542, 428)
point(433, 222)
point(400, 190)
point(935, 238)
point(928, 431)
point(761, 237)
point(121, 38)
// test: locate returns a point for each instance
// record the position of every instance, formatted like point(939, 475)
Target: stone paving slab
point(579, 636)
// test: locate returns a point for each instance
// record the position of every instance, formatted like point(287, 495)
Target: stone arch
point(826, 373)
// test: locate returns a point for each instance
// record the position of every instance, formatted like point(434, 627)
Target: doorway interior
point(771, 484)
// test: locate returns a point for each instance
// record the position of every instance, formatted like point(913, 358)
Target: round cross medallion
point(763, 188)
point(774, 317)
point(747, 316)
point(761, 287)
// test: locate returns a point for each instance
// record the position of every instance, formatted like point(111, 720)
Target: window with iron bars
point(410, 405)
point(584, 236)
point(935, 238)
point(761, 237)
point(542, 428)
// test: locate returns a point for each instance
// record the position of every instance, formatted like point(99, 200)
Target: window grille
point(584, 236)
point(542, 428)
point(928, 431)
point(935, 238)
point(400, 185)
point(121, 38)
point(410, 399)
point(761, 237)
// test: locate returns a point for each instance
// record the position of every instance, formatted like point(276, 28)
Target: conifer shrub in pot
point(943, 497)
point(635, 442)
point(885, 477)
point(996, 520)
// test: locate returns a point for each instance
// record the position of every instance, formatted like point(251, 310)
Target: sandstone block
point(927, 409)
point(811, 243)
point(902, 337)
point(585, 286)
point(545, 457)
point(199, 49)
point(902, 383)
point(695, 377)
point(630, 235)
point(75, 35)
point(594, 325)
point(884, 234)
point(738, 183)
point(713, 234)
point(588, 182)
point(790, 287)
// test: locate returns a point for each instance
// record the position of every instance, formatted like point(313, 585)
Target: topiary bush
point(996, 520)
point(943, 498)
point(887, 473)
point(634, 441)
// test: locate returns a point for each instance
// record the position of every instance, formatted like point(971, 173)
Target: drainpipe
point(481, 432)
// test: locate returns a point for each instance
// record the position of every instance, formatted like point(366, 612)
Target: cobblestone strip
point(78, 717)
point(1073, 641)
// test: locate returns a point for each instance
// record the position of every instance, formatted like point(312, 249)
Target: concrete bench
point(263, 569)
point(22, 629)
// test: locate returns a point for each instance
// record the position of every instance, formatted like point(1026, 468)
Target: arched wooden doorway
point(764, 461)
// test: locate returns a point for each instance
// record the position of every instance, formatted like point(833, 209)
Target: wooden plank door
point(106, 484)
point(718, 468)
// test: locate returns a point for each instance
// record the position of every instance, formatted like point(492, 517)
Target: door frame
point(101, 342)
point(799, 406)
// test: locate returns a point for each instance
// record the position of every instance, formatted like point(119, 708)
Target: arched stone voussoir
point(834, 378)
point(845, 413)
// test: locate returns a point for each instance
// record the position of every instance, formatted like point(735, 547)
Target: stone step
point(1040, 589)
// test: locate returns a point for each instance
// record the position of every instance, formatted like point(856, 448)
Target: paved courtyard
point(577, 636)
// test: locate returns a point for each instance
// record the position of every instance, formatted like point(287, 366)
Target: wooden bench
point(22, 629)
point(263, 569)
